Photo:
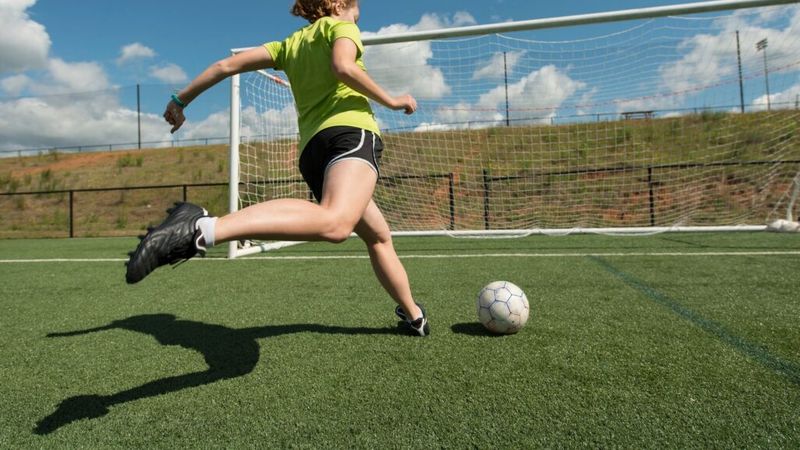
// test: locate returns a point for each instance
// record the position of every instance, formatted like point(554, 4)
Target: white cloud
point(432, 126)
point(541, 91)
point(497, 65)
point(133, 52)
point(73, 121)
point(67, 77)
point(539, 95)
point(15, 84)
point(464, 115)
point(707, 57)
point(169, 73)
point(706, 62)
point(24, 44)
point(586, 101)
point(215, 125)
point(460, 19)
point(272, 123)
point(417, 76)
point(787, 99)
point(76, 105)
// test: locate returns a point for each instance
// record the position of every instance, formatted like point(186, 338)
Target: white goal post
point(648, 120)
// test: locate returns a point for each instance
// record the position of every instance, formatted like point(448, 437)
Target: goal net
point(672, 118)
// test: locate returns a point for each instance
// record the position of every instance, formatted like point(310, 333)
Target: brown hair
point(313, 10)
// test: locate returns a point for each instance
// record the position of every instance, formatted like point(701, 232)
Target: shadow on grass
point(229, 353)
point(473, 329)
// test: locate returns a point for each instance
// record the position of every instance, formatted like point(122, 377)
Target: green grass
point(626, 346)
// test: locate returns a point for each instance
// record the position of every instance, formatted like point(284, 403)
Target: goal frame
point(524, 25)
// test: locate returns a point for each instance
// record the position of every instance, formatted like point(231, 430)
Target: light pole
point(762, 46)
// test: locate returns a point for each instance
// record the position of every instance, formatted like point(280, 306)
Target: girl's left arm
point(254, 59)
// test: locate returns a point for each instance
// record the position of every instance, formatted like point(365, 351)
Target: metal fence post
point(71, 214)
point(652, 197)
point(486, 199)
point(452, 202)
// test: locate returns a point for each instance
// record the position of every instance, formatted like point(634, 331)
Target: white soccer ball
point(502, 307)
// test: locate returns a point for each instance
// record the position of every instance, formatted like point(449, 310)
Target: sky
point(69, 69)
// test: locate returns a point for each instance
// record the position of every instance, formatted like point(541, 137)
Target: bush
point(129, 160)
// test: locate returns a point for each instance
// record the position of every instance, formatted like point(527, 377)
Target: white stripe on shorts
point(343, 156)
point(360, 144)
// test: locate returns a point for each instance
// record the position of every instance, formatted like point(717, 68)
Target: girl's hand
point(404, 102)
point(174, 115)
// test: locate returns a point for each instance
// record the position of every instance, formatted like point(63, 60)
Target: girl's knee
point(336, 237)
point(378, 240)
point(338, 233)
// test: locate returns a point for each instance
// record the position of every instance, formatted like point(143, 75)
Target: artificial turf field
point(673, 340)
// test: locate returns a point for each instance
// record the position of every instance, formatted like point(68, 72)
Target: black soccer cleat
point(399, 312)
point(176, 239)
point(420, 326)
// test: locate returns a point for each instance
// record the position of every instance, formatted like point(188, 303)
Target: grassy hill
point(53, 171)
point(106, 213)
point(532, 154)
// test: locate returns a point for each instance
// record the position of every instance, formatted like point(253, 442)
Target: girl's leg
point(374, 230)
point(347, 191)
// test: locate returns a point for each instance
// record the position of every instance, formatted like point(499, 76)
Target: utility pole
point(505, 73)
point(762, 46)
point(741, 83)
point(139, 113)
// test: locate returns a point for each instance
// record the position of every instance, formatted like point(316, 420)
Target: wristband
point(178, 101)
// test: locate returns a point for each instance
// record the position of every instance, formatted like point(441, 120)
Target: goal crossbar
point(565, 21)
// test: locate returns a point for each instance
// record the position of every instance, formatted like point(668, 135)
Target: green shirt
point(322, 100)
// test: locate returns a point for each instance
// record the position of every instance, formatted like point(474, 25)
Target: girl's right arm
point(344, 67)
point(254, 59)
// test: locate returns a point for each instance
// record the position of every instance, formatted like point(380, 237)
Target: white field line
point(439, 256)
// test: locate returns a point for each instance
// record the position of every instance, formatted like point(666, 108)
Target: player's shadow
point(229, 353)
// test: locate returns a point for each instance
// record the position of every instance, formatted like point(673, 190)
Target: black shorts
point(334, 145)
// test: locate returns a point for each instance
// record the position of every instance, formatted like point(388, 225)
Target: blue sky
point(50, 47)
point(192, 34)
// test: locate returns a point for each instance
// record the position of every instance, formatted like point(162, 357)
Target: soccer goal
point(677, 118)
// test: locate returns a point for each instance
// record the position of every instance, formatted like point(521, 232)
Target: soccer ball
point(502, 307)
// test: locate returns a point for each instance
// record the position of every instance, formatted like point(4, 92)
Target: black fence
point(649, 178)
point(493, 214)
point(70, 196)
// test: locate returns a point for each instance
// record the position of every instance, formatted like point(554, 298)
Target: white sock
point(420, 314)
point(208, 228)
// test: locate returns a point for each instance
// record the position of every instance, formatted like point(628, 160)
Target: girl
point(341, 148)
